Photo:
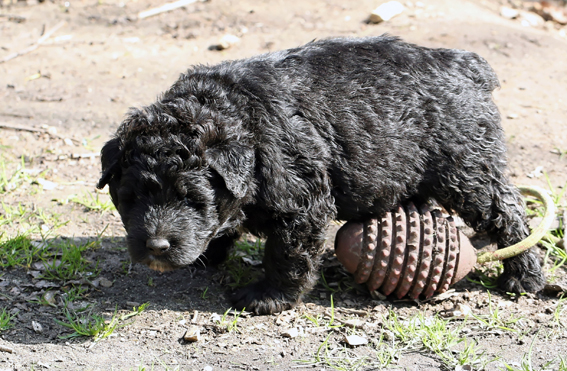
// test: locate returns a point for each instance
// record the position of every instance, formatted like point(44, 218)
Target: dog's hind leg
point(522, 273)
point(486, 200)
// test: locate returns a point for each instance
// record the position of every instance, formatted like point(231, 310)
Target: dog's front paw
point(261, 298)
point(522, 273)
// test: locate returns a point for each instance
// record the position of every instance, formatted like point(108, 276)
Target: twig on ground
point(165, 8)
point(353, 324)
point(16, 115)
point(21, 128)
point(562, 242)
point(4, 348)
point(33, 47)
point(13, 18)
point(35, 130)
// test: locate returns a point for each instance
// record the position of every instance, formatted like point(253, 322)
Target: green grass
point(240, 272)
point(558, 324)
point(163, 366)
point(445, 340)
point(29, 219)
point(553, 242)
point(487, 275)
point(343, 358)
point(556, 253)
point(19, 251)
point(72, 294)
point(204, 293)
point(11, 179)
point(441, 338)
point(62, 259)
point(560, 310)
point(230, 324)
point(93, 203)
point(6, 320)
point(95, 325)
point(316, 320)
point(556, 364)
point(66, 261)
point(495, 321)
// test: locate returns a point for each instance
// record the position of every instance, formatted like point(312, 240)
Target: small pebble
point(386, 11)
point(46, 184)
point(104, 282)
point(193, 334)
point(227, 41)
point(355, 340)
point(531, 20)
point(290, 333)
point(462, 311)
point(51, 130)
point(49, 298)
point(37, 327)
point(509, 12)
point(388, 335)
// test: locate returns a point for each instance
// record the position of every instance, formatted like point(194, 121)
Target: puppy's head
point(177, 178)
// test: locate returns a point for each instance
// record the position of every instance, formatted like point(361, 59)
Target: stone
point(227, 41)
point(37, 327)
point(193, 334)
point(386, 11)
point(509, 13)
point(290, 333)
point(104, 282)
point(531, 20)
point(355, 340)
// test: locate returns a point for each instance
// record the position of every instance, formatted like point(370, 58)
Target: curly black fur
point(285, 142)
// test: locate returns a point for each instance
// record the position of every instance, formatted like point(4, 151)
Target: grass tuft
point(94, 325)
point(17, 251)
point(93, 203)
point(240, 272)
point(6, 320)
point(557, 364)
point(12, 179)
point(66, 261)
point(230, 324)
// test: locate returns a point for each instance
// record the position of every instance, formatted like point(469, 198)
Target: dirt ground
point(70, 94)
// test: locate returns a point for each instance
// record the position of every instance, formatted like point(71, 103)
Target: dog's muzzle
point(157, 246)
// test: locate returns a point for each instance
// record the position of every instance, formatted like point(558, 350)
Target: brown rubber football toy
point(419, 253)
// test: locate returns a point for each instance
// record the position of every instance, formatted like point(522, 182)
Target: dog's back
point(375, 114)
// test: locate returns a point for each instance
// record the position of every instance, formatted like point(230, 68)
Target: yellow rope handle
point(536, 235)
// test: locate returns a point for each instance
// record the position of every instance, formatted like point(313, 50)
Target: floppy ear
point(109, 156)
point(235, 164)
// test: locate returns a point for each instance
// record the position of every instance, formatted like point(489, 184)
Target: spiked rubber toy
point(406, 252)
point(418, 253)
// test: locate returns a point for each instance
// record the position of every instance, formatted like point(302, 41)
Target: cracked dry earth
point(70, 95)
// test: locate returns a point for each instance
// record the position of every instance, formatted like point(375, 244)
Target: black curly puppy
point(285, 142)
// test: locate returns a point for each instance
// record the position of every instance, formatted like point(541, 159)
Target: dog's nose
point(157, 245)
